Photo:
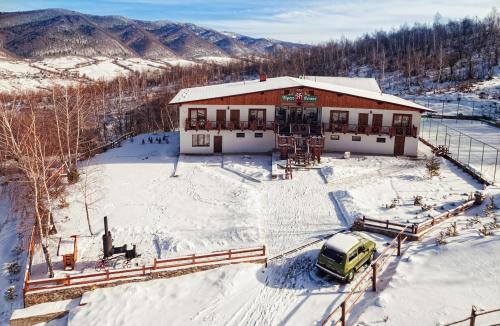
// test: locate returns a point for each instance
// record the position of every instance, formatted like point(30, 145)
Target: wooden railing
point(159, 265)
point(370, 129)
point(473, 315)
point(416, 229)
point(208, 125)
point(339, 314)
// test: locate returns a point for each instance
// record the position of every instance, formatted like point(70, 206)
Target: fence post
point(229, 254)
point(342, 317)
point(473, 316)
point(399, 244)
point(495, 171)
point(387, 224)
point(154, 264)
point(459, 139)
point(374, 277)
point(482, 158)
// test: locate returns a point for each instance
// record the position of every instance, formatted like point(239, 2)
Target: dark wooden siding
point(325, 99)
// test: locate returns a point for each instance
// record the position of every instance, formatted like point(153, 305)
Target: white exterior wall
point(230, 143)
point(368, 144)
point(250, 144)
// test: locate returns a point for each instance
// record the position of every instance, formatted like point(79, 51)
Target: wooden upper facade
point(324, 99)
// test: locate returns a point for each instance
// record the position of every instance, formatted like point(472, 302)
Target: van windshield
point(332, 254)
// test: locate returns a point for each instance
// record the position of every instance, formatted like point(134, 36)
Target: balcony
point(208, 125)
point(370, 130)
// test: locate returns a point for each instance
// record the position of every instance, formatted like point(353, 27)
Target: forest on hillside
point(452, 51)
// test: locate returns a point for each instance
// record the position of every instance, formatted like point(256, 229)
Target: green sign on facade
point(293, 98)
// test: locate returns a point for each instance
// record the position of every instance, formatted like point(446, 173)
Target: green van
point(343, 254)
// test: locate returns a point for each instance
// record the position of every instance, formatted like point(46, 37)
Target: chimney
point(263, 77)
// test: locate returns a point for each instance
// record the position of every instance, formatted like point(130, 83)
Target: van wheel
point(350, 276)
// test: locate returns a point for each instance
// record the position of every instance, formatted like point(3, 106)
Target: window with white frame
point(201, 140)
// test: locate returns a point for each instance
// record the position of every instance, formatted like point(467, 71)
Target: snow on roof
point(254, 86)
point(367, 84)
point(342, 242)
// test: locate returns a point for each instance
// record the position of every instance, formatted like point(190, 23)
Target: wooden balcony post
point(399, 244)
point(374, 277)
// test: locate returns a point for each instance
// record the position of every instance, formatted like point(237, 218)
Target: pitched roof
point(367, 84)
point(331, 84)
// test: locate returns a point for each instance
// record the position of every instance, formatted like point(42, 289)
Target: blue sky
point(303, 21)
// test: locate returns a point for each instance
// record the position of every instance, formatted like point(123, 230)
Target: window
point(333, 255)
point(380, 140)
point(339, 117)
point(257, 116)
point(259, 135)
point(401, 120)
point(353, 255)
point(240, 135)
point(201, 140)
point(197, 116)
point(334, 137)
point(356, 138)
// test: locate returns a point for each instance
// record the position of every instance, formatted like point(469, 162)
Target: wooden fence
point(339, 314)
point(159, 265)
point(413, 231)
point(473, 315)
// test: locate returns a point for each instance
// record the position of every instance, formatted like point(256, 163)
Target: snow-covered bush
point(10, 293)
point(13, 268)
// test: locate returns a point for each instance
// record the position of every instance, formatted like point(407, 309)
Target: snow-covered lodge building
point(297, 115)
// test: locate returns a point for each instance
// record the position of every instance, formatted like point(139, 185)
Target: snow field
point(207, 207)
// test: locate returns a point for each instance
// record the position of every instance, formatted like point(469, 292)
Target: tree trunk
point(88, 218)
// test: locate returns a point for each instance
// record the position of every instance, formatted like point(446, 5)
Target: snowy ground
point(11, 248)
point(222, 202)
point(21, 75)
point(466, 140)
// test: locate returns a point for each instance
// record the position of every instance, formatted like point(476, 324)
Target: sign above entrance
point(299, 98)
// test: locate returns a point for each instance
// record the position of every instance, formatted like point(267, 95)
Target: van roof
point(342, 242)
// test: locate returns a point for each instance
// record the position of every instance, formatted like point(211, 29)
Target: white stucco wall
point(250, 144)
point(368, 144)
point(230, 143)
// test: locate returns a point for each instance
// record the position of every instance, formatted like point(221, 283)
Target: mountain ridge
point(60, 32)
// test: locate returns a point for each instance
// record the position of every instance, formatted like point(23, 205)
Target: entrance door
point(221, 119)
point(399, 145)
point(362, 122)
point(217, 144)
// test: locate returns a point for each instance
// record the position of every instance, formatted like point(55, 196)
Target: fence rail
point(477, 156)
point(416, 230)
point(474, 314)
point(339, 314)
point(159, 265)
point(457, 107)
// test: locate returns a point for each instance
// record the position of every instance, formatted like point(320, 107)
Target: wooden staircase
point(301, 158)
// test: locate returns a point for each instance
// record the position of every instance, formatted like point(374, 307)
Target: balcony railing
point(228, 125)
point(370, 130)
